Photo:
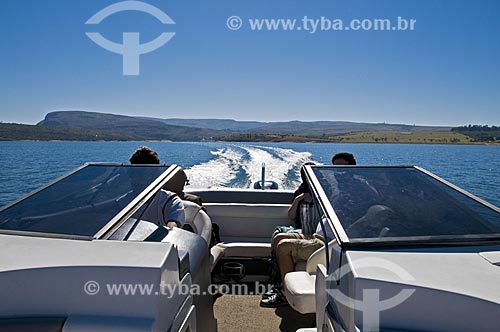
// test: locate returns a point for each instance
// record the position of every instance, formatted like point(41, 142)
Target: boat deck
point(243, 313)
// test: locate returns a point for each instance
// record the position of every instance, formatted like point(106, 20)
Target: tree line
point(480, 133)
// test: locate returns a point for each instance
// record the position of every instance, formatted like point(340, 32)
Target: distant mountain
point(218, 124)
point(298, 128)
point(142, 128)
point(103, 126)
point(332, 128)
point(22, 132)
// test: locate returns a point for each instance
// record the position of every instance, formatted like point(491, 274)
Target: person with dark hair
point(306, 218)
point(144, 156)
point(166, 208)
point(289, 248)
point(301, 195)
point(343, 158)
point(300, 211)
point(177, 184)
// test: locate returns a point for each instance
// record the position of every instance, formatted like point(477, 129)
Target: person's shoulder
point(168, 195)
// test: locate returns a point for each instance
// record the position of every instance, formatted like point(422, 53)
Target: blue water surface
point(25, 166)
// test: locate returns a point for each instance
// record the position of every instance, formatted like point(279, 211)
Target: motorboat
point(408, 251)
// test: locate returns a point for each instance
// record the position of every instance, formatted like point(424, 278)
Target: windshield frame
point(119, 218)
point(395, 242)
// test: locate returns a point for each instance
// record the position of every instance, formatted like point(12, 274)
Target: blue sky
point(446, 72)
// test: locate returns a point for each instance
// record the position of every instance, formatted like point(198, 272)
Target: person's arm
point(173, 212)
point(292, 210)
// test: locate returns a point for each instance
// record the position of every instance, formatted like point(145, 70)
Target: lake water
point(25, 166)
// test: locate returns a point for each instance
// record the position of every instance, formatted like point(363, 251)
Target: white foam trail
point(216, 172)
point(295, 159)
point(277, 167)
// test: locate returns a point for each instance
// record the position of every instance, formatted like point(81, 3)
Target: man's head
point(343, 158)
point(144, 155)
point(177, 183)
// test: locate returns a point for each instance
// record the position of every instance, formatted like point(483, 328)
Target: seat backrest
point(244, 222)
point(198, 219)
point(318, 257)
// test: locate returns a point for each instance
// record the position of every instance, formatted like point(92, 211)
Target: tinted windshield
point(402, 202)
point(82, 203)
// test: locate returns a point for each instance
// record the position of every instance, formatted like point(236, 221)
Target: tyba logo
point(131, 49)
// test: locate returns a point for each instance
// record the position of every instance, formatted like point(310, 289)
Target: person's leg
point(277, 237)
point(273, 239)
point(285, 262)
point(275, 297)
point(275, 270)
point(281, 236)
point(275, 273)
point(291, 251)
point(284, 256)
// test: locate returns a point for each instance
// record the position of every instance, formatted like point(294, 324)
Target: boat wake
point(239, 166)
point(216, 172)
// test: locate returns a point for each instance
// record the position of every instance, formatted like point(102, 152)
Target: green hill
point(22, 132)
point(480, 133)
point(93, 126)
point(316, 129)
point(330, 128)
point(127, 125)
point(219, 124)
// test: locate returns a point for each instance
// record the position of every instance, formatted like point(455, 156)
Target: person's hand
point(172, 224)
point(307, 197)
point(300, 197)
point(304, 196)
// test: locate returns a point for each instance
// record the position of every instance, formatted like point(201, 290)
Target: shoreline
point(262, 141)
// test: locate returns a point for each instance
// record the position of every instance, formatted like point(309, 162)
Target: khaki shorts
point(304, 248)
point(298, 236)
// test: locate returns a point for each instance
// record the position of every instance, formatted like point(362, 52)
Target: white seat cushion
point(239, 250)
point(245, 249)
point(299, 289)
point(199, 220)
point(240, 222)
point(216, 253)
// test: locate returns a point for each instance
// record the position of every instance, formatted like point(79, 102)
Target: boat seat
point(299, 286)
point(239, 250)
point(247, 223)
point(245, 249)
point(198, 220)
point(299, 291)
